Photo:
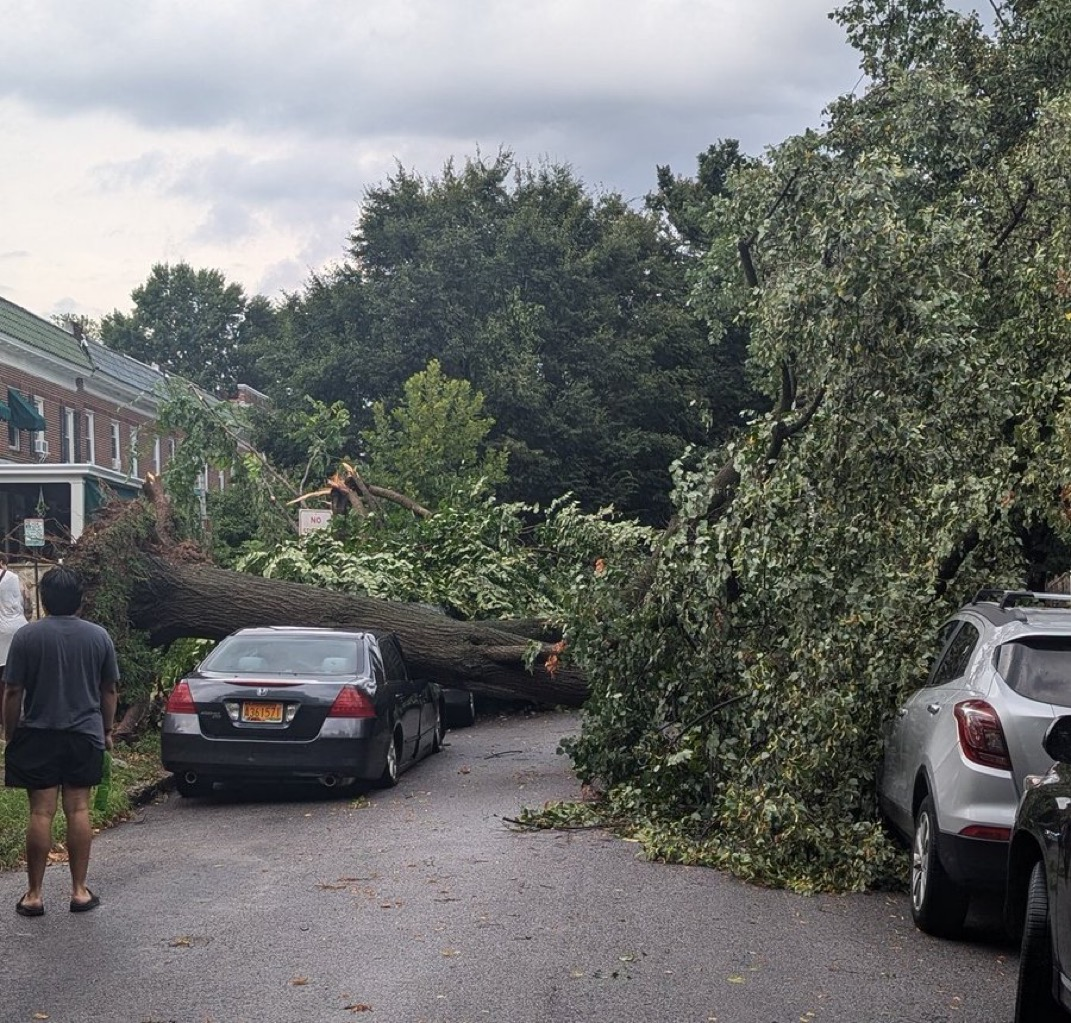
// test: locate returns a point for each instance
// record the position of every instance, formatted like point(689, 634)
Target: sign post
point(33, 536)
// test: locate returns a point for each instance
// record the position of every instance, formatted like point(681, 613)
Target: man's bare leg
point(79, 839)
point(38, 841)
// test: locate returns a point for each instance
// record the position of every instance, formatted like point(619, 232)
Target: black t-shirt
point(61, 663)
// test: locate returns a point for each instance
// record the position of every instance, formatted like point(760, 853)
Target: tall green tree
point(567, 311)
point(432, 446)
point(686, 202)
point(190, 322)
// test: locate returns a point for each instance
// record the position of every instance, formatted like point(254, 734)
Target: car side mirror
point(1057, 741)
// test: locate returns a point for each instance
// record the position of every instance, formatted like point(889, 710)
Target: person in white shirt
point(12, 618)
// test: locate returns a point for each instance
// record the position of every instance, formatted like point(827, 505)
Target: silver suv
point(957, 751)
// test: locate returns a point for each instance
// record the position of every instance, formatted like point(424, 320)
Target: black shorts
point(41, 758)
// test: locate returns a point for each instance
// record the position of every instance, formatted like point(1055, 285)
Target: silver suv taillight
point(981, 735)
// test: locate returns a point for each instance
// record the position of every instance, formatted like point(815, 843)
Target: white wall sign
point(33, 532)
point(313, 518)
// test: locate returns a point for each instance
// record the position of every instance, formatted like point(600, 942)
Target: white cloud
point(242, 135)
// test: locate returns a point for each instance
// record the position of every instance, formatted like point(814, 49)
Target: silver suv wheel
point(920, 856)
point(938, 905)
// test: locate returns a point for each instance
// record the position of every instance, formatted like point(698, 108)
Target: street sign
point(33, 532)
point(313, 518)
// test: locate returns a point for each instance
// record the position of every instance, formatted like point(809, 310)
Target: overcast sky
point(241, 135)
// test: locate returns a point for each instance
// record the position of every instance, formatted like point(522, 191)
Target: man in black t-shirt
point(59, 708)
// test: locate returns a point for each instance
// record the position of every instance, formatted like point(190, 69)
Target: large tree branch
point(728, 477)
point(744, 248)
point(745, 245)
point(782, 431)
point(1018, 213)
point(953, 562)
point(177, 600)
point(788, 388)
point(400, 499)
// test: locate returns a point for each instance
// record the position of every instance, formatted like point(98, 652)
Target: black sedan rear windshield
point(1038, 668)
point(287, 655)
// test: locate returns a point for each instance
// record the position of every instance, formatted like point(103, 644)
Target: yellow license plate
point(270, 713)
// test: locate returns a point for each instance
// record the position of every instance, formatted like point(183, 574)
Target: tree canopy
point(568, 312)
point(189, 322)
point(432, 445)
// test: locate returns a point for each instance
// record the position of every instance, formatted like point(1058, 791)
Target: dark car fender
point(1024, 852)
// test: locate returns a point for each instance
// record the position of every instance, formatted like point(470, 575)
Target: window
point(1037, 667)
point(39, 439)
point(957, 655)
point(948, 630)
point(117, 450)
point(67, 445)
point(156, 456)
point(170, 449)
point(221, 477)
point(392, 661)
point(281, 654)
point(133, 451)
point(14, 438)
point(91, 439)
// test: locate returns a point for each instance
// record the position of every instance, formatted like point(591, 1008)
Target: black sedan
point(297, 704)
point(1038, 901)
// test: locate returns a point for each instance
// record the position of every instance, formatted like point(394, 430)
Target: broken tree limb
point(400, 499)
point(197, 600)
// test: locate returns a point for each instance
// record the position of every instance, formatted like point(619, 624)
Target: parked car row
point(303, 704)
point(968, 778)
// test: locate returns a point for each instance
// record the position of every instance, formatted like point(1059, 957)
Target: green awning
point(24, 416)
point(5, 412)
point(96, 496)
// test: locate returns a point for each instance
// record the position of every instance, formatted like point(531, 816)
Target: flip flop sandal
point(84, 907)
point(23, 910)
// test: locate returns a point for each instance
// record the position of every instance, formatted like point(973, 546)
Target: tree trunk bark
point(195, 600)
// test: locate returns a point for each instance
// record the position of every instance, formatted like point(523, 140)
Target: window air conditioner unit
point(40, 447)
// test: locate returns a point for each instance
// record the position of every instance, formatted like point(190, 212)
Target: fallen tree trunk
point(198, 600)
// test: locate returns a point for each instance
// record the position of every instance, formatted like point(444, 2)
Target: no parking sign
point(313, 518)
point(33, 532)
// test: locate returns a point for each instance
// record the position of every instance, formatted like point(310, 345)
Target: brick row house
point(77, 426)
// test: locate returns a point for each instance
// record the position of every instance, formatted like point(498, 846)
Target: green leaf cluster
point(432, 445)
point(567, 311)
point(906, 289)
point(477, 560)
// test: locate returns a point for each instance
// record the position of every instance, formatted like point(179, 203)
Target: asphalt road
point(420, 905)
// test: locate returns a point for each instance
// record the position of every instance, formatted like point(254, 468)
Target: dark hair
point(61, 591)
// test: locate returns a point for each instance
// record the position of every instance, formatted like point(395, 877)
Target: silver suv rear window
point(1038, 667)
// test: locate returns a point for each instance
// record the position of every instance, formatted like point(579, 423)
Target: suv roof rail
point(1015, 598)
